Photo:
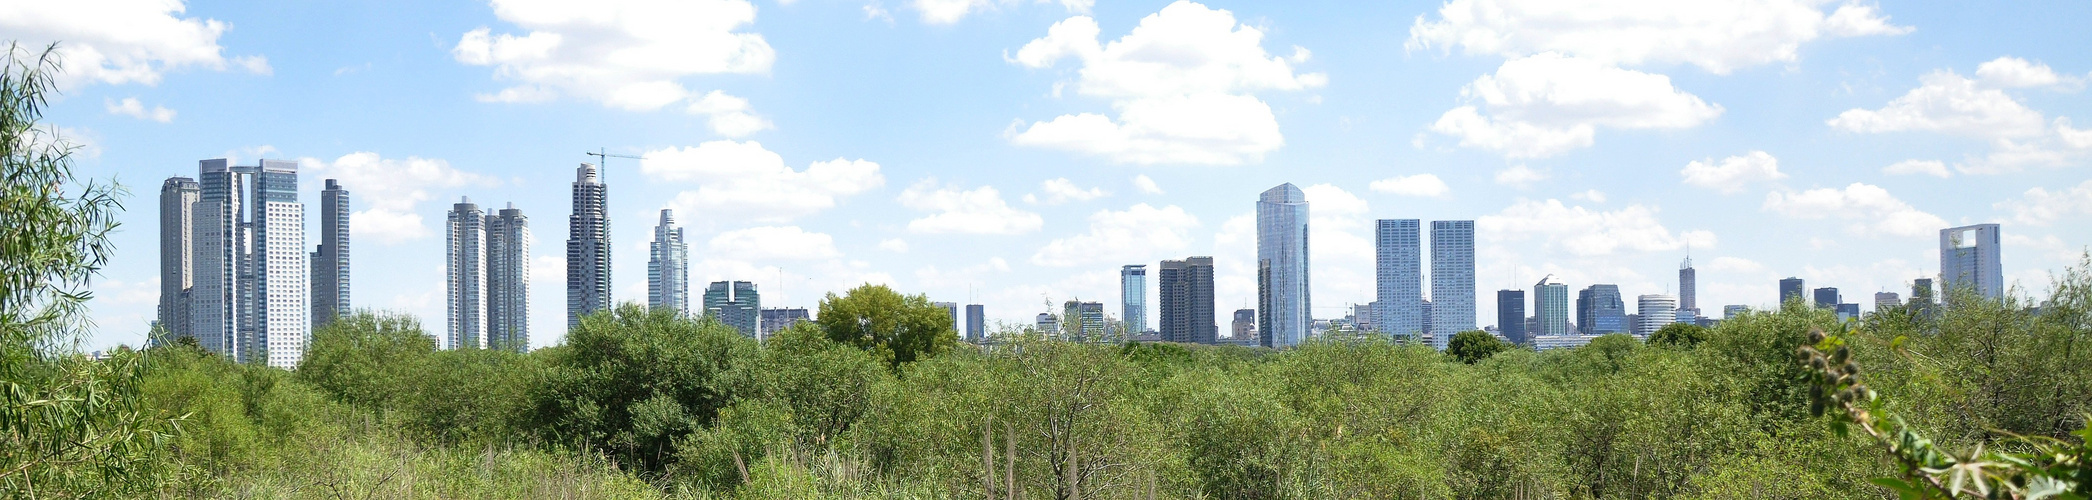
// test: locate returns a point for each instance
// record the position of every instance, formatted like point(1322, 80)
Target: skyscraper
point(251, 288)
point(1792, 289)
point(588, 247)
point(465, 277)
point(1452, 279)
point(1084, 320)
point(1827, 298)
point(1510, 315)
point(1551, 307)
point(777, 319)
point(976, 323)
point(668, 267)
point(1186, 289)
point(1688, 288)
point(1133, 297)
point(1921, 293)
point(1599, 310)
point(736, 304)
point(1398, 277)
point(1284, 310)
point(951, 309)
point(1968, 261)
point(1884, 301)
point(178, 198)
point(1244, 327)
point(330, 263)
point(508, 280)
point(1654, 311)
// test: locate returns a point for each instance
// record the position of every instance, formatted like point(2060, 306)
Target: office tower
point(1654, 311)
point(1398, 277)
point(668, 267)
point(1968, 260)
point(1186, 290)
point(178, 198)
point(1886, 300)
point(1732, 311)
point(1846, 311)
point(1424, 310)
point(1362, 316)
point(1133, 297)
point(1827, 298)
point(250, 287)
point(330, 263)
point(950, 309)
point(1047, 325)
point(1510, 315)
point(1792, 289)
point(777, 319)
point(1688, 288)
point(1452, 279)
point(588, 247)
point(1085, 320)
point(1921, 298)
point(1600, 310)
point(1551, 307)
point(1245, 326)
point(465, 277)
point(508, 280)
point(976, 323)
point(735, 304)
point(1284, 309)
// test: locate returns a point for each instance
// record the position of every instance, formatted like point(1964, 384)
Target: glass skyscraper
point(668, 267)
point(1398, 277)
point(1968, 261)
point(465, 272)
point(1510, 316)
point(1599, 310)
point(251, 285)
point(178, 198)
point(1452, 279)
point(1550, 307)
point(330, 263)
point(1284, 310)
point(1186, 292)
point(588, 246)
point(736, 304)
point(1133, 298)
point(508, 280)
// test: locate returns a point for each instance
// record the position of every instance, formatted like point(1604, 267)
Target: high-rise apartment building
point(588, 247)
point(178, 198)
point(1452, 279)
point(508, 280)
point(1600, 310)
point(1688, 288)
point(1398, 277)
point(1792, 289)
point(1510, 316)
point(1085, 320)
point(1968, 261)
point(1244, 328)
point(1827, 298)
point(1921, 297)
point(1653, 312)
point(976, 323)
point(251, 284)
point(1047, 324)
point(951, 309)
point(1186, 290)
point(1133, 298)
point(1884, 301)
point(1550, 307)
point(1732, 311)
point(1284, 310)
point(330, 263)
point(465, 277)
point(777, 319)
point(668, 267)
point(735, 304)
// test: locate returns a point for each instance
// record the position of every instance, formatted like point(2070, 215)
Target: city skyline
point(1811, 152)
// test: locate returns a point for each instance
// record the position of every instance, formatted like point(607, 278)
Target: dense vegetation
point(876, 400)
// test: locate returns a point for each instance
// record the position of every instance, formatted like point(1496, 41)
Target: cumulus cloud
point(389, 189)
point(130, 107)
point(1425, 185)
point(744, 181)
point(1933, 168)
point(1718, 37)
point(1732, 174)
point(122, 41)
point(1590, 195)
point(1520, 176)
point(1139, 233)
point(773, 243)
point(728, 115)
point(1547, 104)
point(895, 245)
point(1146, 185)
point(951, 11)
point(1062, 190)
point(2013, 72)
point(965, 211)
point(2040, 207)
point(1871, 210)
point(1948, 103)
point(625, 54)
point(1585, 232)
point(1181, 82)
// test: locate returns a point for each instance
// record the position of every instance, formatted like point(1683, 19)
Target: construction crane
point(603, 157)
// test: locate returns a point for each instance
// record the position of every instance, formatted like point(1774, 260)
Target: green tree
point(371, 360)
point(1474, 345)
point(630, 382)
point(895, 328)
point(1686, 335)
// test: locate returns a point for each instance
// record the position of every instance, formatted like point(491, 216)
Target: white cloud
point(2040, 207)
point(1547, 104)
point(1734, 173)
point(1590, 195)
point(728, 115)
point(130, 106)
point(1181, 83)
point(121, 41)
point(1138, 234)
point(1146, 185)
point(742, 180)
point(1426, 185)
point(895, 245)
point(1948, 103)
point(1584, 232)
point(977, 211)
point(1871, 209)
point(626, 54)
point(1520, 176)
point(1062, 190)
point(1718, 37)
point(2015, 72)
point(390, 189)
point(951, 11)
point(773, 243)
point(1933, 168)
point(1340, 227)
point(1734, 265)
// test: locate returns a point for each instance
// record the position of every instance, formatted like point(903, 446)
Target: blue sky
point(1010, 151)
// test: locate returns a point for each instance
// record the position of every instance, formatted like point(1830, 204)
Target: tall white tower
point(251, 286)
